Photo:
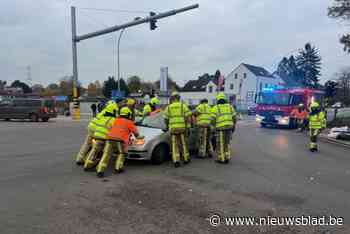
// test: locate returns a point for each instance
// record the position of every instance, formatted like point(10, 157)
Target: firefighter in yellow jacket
point(203, 122)
point(224, 119)
point(111, 107)
point(177, 116)
point(151, 106)
point(317, 122)
point(102, 126)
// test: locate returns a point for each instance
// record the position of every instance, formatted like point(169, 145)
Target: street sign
point(117, 94)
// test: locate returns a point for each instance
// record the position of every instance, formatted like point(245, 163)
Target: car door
point(19, 109)
point(5, 107)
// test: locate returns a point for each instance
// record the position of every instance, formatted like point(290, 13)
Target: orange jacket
point(121, 130)
point(299, 115)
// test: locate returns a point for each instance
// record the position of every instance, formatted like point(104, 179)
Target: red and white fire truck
point(274, 106)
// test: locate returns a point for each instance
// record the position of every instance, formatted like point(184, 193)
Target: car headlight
point(284, 120)
point(259, 118)
point(138, 142)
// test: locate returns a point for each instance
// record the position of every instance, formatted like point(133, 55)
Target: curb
point(324, 138)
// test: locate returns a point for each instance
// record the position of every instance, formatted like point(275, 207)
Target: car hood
point(149, 133)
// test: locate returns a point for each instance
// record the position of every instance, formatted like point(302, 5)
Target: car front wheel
point(160, 154)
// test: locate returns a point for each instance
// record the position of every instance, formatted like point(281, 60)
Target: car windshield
point(152, 121)
point(274, 99)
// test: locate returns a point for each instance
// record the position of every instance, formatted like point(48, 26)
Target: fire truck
point(274, 106)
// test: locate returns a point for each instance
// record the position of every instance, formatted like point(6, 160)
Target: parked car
point(338, 105)
point(251, 110)
point(25, 108)
point(156, 144)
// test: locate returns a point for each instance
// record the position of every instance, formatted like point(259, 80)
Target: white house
point(196, 90)
point(246, 81)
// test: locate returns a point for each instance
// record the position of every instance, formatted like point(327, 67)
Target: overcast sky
point(218, 35)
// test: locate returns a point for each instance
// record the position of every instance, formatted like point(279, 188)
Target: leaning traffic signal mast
point(152, 19)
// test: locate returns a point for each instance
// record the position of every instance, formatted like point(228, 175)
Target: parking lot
point(43, 191)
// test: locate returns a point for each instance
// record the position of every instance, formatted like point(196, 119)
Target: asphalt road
point(271, 174)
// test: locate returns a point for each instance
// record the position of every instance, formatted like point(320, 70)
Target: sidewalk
point(84, 118)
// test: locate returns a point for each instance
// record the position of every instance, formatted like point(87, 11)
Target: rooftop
point(258, 71)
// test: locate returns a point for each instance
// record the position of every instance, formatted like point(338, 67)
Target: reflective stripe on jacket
point(177, 114)
point(223, 115)
point(317, 121)
point(102, 127)
point(203, 115)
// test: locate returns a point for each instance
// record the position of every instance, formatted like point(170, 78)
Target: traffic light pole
point(76, 39)
point(76, 104)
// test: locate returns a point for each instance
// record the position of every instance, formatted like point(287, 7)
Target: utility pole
point(118, 57)
point(152, 19)
point(76, 104)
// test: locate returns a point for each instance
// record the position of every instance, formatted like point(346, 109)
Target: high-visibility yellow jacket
point(176, 114)
point(224, 116)
point(102, 126)
point(317, 121)
point(204, 116)
point(147, 109)
point(111, 107)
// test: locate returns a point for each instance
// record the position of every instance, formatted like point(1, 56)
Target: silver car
point(156, 144)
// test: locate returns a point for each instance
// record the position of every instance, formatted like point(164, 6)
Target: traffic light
point(152, 23)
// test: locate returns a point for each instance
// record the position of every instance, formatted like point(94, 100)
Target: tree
point(2, 84)
point(66, 86)
point(341, 10)
point(147, 87)
point(309, 63)
point(98, 88)
point(343, 87)
point(53, 86)
point(330, 88)
point(170, 84)
point(92, 90)
point(22, 85)
point(134, 84)
point(288, 70)
point(124, 87)
point(38, 88)
point(52, 90)
point(111, 84)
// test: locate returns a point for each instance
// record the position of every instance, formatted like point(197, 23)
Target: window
point(297, 99)
point(236, 76)
point(210, 89)
point(244, 75)
point(231, 86)
point(261, 85)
